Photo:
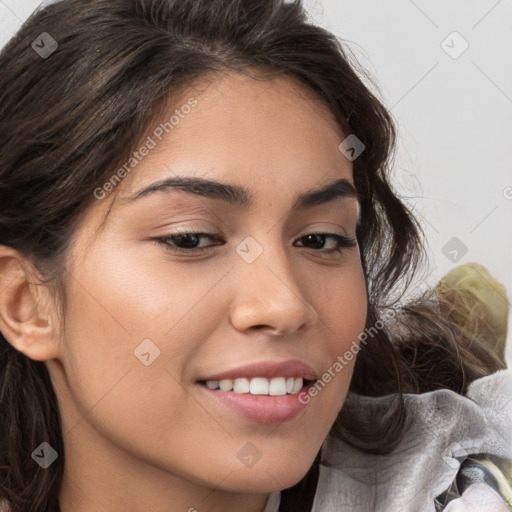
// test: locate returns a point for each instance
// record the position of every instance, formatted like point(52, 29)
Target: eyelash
point(342, 242)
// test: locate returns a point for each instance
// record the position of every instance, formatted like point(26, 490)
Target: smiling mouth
point(277, 386)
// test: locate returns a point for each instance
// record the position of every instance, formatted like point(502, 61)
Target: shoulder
point(447, 435)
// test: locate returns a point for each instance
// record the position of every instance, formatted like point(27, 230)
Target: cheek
point(132, 326)
point(142, 408)
point(129, 298)
point(342, 304)
point(341, 300)
point(153, 295)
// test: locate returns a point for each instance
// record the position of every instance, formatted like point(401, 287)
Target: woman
point(201, 270)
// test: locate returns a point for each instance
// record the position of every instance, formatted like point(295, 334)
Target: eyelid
point(326, 227)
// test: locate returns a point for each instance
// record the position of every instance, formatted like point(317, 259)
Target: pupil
point(318, 239)
point(187, 239)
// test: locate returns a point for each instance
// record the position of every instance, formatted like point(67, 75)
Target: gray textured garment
point(445, 428)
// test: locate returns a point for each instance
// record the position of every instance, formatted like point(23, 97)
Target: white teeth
point(226, 385)
point(277, 386)
point(297, 386)
point(241, 386)
point(258, 386)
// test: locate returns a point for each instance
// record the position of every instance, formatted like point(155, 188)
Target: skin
point(142, 438)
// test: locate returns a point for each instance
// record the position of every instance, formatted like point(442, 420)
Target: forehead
point(272, 136)
point(243, 127)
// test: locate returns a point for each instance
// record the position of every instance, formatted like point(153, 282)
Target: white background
point(454, 115)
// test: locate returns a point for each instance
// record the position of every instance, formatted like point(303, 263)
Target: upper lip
point(268, 369)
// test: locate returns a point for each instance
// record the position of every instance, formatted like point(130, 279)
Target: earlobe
point(23, 322)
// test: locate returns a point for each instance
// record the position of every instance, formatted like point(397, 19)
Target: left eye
point(189, 242)
point(340, 242)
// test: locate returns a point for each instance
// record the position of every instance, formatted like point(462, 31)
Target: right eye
point(187, 242)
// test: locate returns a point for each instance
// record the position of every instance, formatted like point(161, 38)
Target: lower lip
point(261, 408)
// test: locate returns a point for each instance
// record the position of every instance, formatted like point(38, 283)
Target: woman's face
point(153, 314)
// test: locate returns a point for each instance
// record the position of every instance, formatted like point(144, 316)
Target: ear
point(24, 318)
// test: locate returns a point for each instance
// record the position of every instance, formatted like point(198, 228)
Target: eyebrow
point(236, 195)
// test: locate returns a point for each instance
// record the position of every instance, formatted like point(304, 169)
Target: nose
point(269, 297)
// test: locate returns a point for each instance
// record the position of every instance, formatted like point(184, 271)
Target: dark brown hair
point(68, 121)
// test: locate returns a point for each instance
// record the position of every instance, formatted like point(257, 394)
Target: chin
point(267, 478)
